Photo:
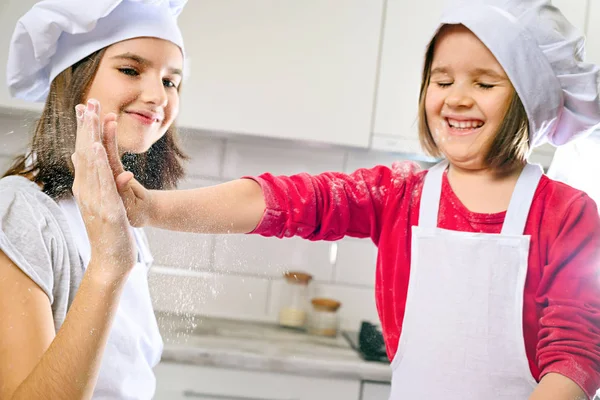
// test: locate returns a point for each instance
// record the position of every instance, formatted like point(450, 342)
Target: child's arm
point(557, 387)
point(569, 297)
point(322, 207)
point(232, 207)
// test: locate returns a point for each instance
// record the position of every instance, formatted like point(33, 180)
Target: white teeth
point(464, 124)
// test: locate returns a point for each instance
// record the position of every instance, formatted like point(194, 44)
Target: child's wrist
point(154, 205)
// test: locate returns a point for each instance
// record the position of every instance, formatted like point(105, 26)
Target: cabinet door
point(593, 32)
point(303, 70)
point(575, 11)
point(375, 391)
point(178, 381)
point(10, 12)
point(408, 29)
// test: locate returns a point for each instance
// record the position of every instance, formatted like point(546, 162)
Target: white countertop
point(262, 347)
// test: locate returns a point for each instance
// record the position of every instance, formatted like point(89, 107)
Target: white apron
point(134, 344)
point(462, 335)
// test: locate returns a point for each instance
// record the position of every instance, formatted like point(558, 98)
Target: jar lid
point(298, 277)
point(321, 303)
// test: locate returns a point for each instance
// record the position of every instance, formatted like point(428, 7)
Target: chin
point(134, 148)
point(137, 140)
point(459, 156)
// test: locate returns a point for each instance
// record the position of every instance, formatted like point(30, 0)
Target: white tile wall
point(208, 293)
point(14, 134)
point(246, 270)
point(279, 158)
point(356, 259)
point(367, 159)
point(253, 254)
point(206, 154)
point(4, 164)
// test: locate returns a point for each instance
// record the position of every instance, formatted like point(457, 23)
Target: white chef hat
point(542, 54)
point(56, 34)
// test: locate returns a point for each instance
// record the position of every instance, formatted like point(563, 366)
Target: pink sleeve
point(569, 336)
point(330, 205)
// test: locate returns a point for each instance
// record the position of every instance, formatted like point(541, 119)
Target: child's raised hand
point(135, 196)
point(112, 244)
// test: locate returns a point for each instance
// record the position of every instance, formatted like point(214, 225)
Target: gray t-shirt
point(35, 235)
point(41, 237)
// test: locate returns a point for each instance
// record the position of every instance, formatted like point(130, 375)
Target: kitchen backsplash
point(240, 276)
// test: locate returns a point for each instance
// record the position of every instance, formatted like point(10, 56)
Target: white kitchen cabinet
point(575, 11)
point(185, 382)
point(593, 32)
point(303, 70)
point(407, 30)
point(375, 391)
point(10, 12)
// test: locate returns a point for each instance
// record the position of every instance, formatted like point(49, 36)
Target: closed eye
point(444, 84)
point(485, 86)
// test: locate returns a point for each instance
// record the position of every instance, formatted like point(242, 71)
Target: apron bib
point(462, 334)
point(134, 344)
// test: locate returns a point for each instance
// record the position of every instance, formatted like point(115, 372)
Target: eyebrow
point(477, 72)
point(143, 61)
point(439, 70)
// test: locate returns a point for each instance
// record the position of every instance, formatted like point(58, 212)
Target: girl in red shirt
point(488, 271)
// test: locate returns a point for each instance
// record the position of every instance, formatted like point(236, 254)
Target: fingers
point(107, 189)
point(93, 121)
point(79, 110)
point(88, 125)
point(109, 140)
point(123, 180)
point(88, 133)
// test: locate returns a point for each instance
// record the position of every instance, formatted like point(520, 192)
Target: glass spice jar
point(324, 317)
point(294, 302)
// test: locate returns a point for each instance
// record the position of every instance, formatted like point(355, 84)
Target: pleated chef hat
point(542, 54)
point(56, 34)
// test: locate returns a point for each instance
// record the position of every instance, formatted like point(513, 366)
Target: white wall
point(240, 276)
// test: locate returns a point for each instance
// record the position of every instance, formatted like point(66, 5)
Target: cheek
point(494, 107)
point(172, 109)
point(433, 102)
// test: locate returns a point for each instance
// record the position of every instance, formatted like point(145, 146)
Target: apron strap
point(520, 202)
point(144, 254)
point(430, 196)
point(78, 231)
point(518, 209)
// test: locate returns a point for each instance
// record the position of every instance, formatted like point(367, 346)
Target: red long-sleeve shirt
point(562, 293)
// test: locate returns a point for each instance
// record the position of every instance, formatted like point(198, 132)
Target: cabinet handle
point(211, 396)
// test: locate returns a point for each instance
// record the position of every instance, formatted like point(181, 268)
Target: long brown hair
point(511, 143)
point(48, 161)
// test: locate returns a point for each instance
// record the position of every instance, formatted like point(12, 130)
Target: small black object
point(370, 343)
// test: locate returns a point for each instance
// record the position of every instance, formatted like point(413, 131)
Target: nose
point(459, 96)
point(154, 92)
